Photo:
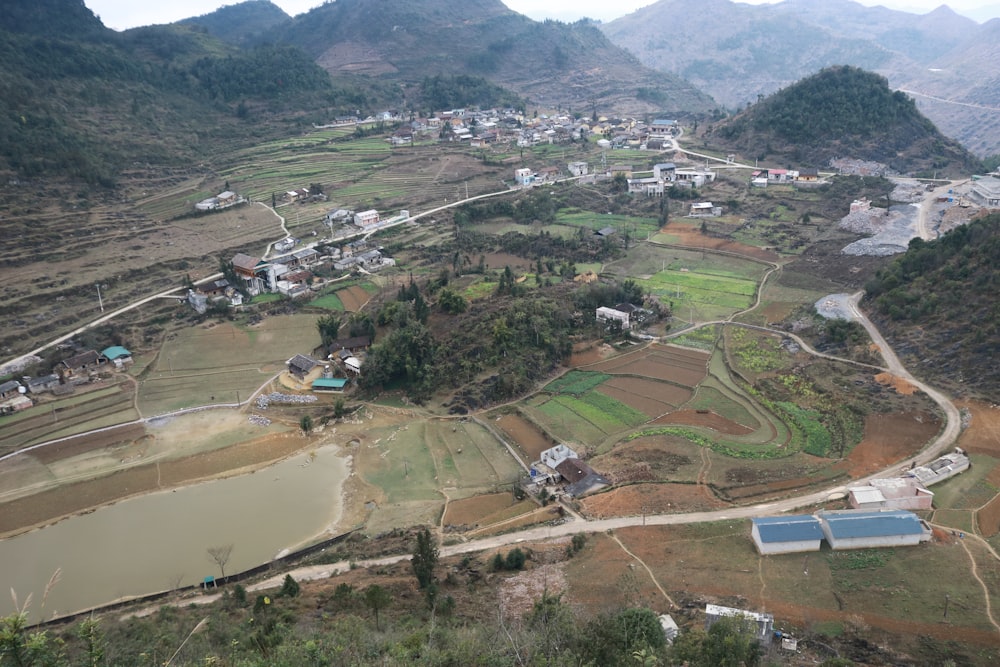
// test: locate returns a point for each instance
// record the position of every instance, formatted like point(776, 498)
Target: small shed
point(329, 385)
point(118, 355)
point(786, 534)
point(897, 493)
point(854, 529)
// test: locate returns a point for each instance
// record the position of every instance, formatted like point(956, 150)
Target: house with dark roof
point(9, 389)
point(352, 344)
point(853, 529)
point(81, 364)
point(41, 384)
point(786, 534)
point(300, 365)
point(581, 479)
point(252, 271)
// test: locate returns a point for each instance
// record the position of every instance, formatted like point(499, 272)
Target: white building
point(786, 534)
point(705, 209)
point(366, 219)
point(986, 192)
point(897, 493)
point(857, 529)
point(578, 168)
point(606, 315)
point(941, 468)
point(524, 176)
point(556, 455)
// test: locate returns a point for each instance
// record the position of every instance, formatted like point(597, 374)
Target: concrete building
point(578, 168)
point(524, 176)
point(606, 315)
point(853, 529)
point(985, 192)
point(897, 493)
point(786, 534)
point(366, 219)
point(941, 468)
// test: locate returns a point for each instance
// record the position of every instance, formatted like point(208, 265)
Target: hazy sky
point(121, 14)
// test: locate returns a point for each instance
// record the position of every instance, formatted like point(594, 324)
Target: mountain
point(937, 305)
point(845, 112)
point(572, 66)
point(738, 52)
point(242, 24)
point(80, 100)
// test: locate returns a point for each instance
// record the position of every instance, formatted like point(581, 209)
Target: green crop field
point(576, 382)
point(328, 301)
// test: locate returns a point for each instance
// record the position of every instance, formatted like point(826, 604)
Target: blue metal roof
point(795, 528)
point(872, 524)
point(329, 383)
point(115, 351)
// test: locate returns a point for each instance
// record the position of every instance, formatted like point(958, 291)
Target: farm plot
point(527, 436)
point(588, 419)
point(575, 218)
point(481, 510)
point(650, 397)
point(354, 298)
point(686, 368)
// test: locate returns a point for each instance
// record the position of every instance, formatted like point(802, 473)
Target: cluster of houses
point(561, 465)
point(483, 127)
point(290, 274)
point(16, 395)
point(880, 517)
point(344, 358)
point(219, 201)
point(761, 178)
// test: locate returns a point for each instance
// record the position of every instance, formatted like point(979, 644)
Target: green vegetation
point(576, 382)
point(452, 92)
point(946, 290)
point(845, 110)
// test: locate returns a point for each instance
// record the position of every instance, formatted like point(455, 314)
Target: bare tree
point(220, 556)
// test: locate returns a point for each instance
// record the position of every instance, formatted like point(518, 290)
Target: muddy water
point(146, 544)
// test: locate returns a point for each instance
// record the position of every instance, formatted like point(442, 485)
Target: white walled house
point(605, 314)
point(366, 219)
point(854, 529)
point(786, 534)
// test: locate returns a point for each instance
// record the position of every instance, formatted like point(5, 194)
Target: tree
point(377, 598)
point(306, 424)
point(289, 587)
point(730, 642)
point(425, 558)
point(328, 327)
point(220, 556)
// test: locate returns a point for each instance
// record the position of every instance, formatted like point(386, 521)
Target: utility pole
point(99, 299)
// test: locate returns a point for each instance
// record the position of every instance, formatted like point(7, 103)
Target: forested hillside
point(846, 112)
point(938, 305)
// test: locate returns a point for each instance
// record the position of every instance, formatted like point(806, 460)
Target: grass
point(702, 338)
point(970, 489)
point(328, 302)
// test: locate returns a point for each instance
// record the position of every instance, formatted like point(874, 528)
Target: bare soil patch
point(988, 518)
point(983, 434)
point(670, 364)
point(711, 420)
point(498, 260)
point(354, 298)
point(531, 440)
point(649, 397)
point(694, 238)
point(470, 511)
point(655, 498)
point(81, 444)
point(889, 438)
point(899, 384)
point(585, 354)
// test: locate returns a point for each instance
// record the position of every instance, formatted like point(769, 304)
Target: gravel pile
point(259, 420)
point(277, 397)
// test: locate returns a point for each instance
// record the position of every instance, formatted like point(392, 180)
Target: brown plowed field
point(988, 518)
point(683, 367)
point(82, 444)
point(694, 239)
point(585, 354)
point(656, 498)
point(889, 438)
point(983, 434)
point(649, 397)
point(531, 440)
point(469, 511)
point(711, 420)
point(354, 298)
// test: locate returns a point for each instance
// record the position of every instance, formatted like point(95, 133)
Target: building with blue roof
point(329, 384)
point(118, 355)
point(787, 534)
point(851, 529)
